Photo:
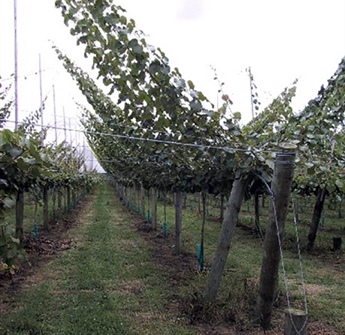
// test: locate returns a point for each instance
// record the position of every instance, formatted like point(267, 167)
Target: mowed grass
point(108, 284)
point(323, 270)
point(111, 282)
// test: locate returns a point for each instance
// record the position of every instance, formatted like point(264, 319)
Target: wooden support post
point(45, 208)
point(178, 222)
point(68, 196)
point(336, 243)
point(295, 322)
point(224, 241)
point(154, 208)
point(142, 201)
point(281, 190)
point(54, 203)
point(59, 198)
point(20, 216)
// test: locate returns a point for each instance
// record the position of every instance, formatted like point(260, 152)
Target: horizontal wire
point(200, 146)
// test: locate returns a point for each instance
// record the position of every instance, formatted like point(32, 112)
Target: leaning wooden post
point(280, 194)
point(226, 234)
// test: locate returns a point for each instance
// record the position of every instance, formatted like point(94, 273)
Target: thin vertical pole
point(41, 94)
point(64, 124)
point(70, 131)
point(55, 122)
point(251, 90)
point(91, 153)
point(85, 162)
point(15, 67)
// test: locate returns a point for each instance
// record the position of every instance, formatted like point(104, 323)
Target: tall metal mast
point(15, 68)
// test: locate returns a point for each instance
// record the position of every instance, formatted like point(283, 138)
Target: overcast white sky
point(280, 40)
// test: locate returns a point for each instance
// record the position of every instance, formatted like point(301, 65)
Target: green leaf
point(8, 202)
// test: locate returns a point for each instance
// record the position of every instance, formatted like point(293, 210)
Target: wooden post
point(45, 208)
point(336, 243)
point(74, 198)
point(281, 190)
point(317, 213)
point(154, 208)
point(68, 196)
point(20, 216)
point(295, 322)
point(224, 241)
point(142, 201)
point(54, 202)
point(59, 198)
point(178, 222)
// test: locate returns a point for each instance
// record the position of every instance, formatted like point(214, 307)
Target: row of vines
point(154, 130)
point(30, 168)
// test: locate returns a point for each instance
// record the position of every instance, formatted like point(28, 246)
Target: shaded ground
point(41, 250)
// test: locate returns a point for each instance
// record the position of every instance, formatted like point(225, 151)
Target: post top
point(288, 146)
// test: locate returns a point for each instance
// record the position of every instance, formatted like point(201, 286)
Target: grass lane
point(107, 285)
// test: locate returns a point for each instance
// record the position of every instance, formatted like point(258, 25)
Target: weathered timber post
point(178, 222)
point(74, 198)
point(45, 207)
point(153, 208)
point(281, 190)
point(314, 225)
point(54, 202)
point(225, 237)
point(20, 216)
point(336, 243)
point(68, 194)
point(295, 322)
point(59, 198)
point(142, 201)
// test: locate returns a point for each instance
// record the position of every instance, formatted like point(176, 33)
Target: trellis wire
point(153, 140)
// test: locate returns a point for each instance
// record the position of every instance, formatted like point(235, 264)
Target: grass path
point(108, 284)
point(118, 281)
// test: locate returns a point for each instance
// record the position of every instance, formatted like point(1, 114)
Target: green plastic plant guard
point(148, 219)
point(322, 220)
point(200, 253)
point(165, 229)
point(35, 231)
